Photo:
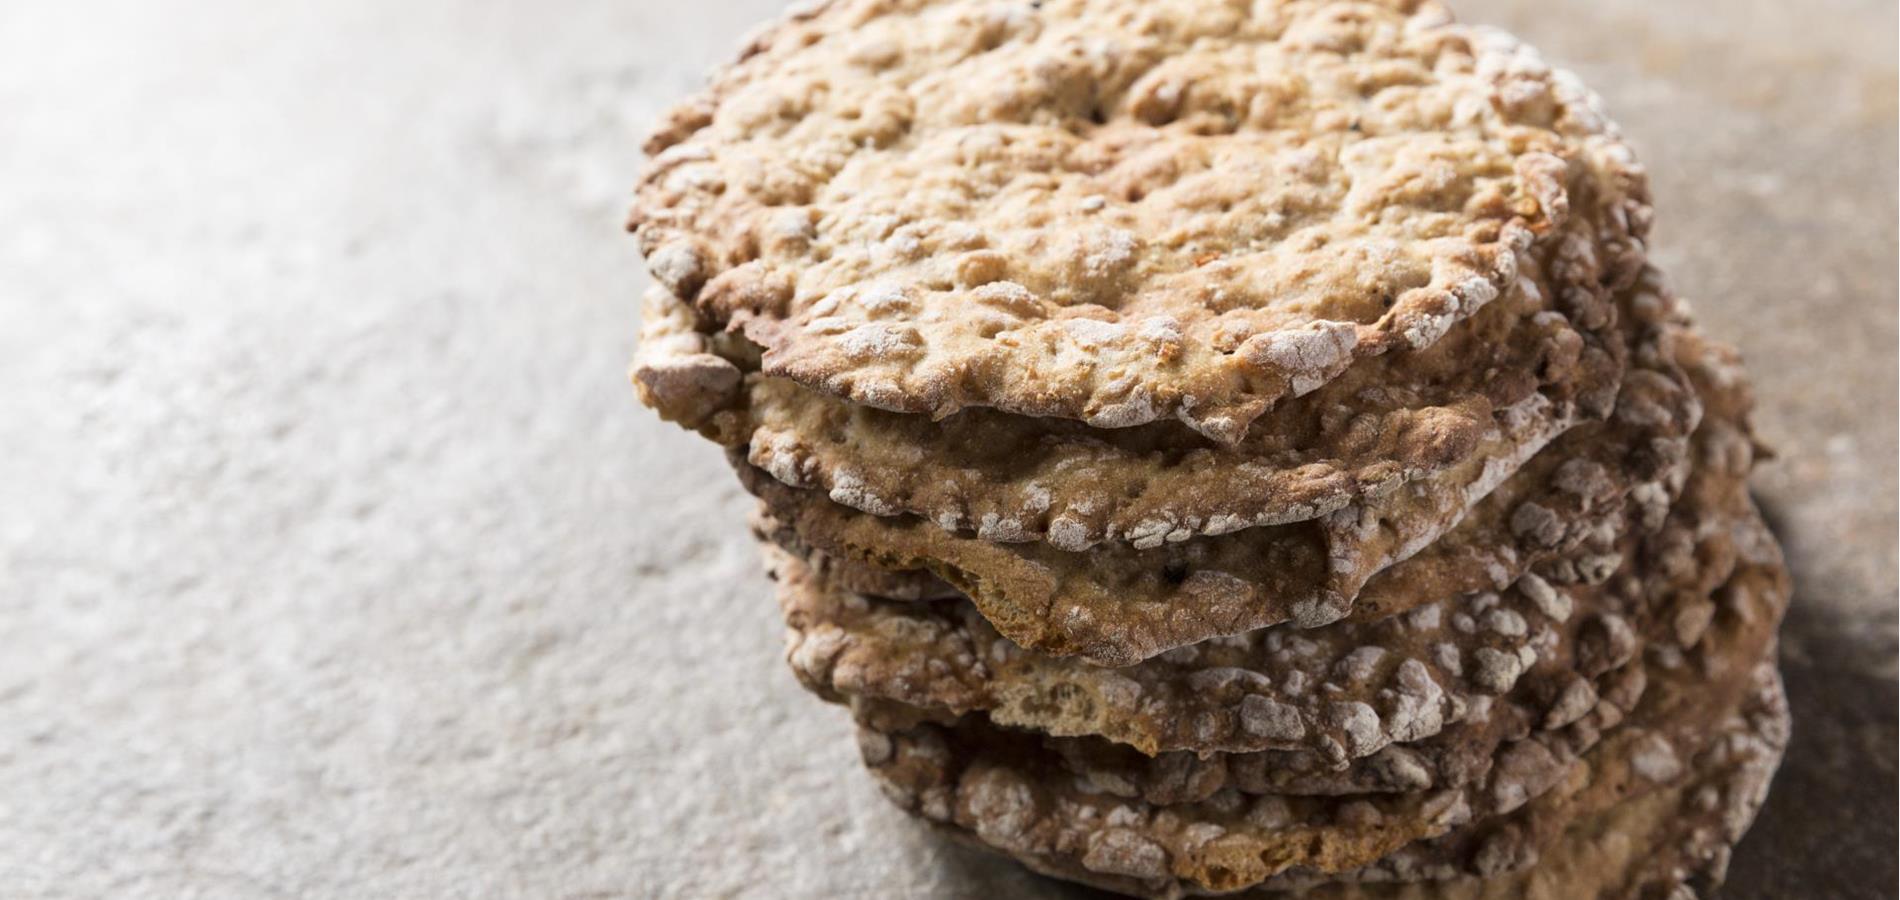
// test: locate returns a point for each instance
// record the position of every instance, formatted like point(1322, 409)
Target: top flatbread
point(1120, 211)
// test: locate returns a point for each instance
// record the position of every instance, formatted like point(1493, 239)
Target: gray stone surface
point(337, 560)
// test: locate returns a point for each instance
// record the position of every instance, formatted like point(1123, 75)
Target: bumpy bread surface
point(841, 575)
point(1632, 821)
point(1412, 702)
point(1116, 606)
point(1010, 793)
point(1544, 356)
point(1613, 837)
point(1120, 211)
point(1548, 647)
point(1664, 595)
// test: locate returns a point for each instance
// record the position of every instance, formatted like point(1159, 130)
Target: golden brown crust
point(1116, 606)
point(1704, 593)
point(1013, 797)
point(1668, 844)
point(1530, 365)
point(1061, 335)
point(1271, 689)
point(1346, 691)
point(844, 575)
point(1122, 212)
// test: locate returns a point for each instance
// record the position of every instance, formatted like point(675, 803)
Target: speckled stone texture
point(337, 559)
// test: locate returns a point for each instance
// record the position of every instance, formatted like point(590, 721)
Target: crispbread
point(1529, 365)
point(1665, 595)
point(1116, 606)
point(1338, 693)
point(844, 575)
point(1512, 529)
point(1414, 674)
point(1342, 692)
point(1120, 211)
point(1683, 569)
point(1010, 793)
point(1227, 447)
point(1615, 844)
point(1670, 735)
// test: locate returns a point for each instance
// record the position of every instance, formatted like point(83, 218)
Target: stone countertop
point(337, 559)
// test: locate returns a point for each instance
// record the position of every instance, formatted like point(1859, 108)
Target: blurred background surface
point(338, 560)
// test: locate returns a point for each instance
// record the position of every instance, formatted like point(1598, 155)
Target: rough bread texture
point(1690, 675)
point(845, 575)
point(1344, 691)
point(1532, 363)
point(336, 563)
point(1226, 447)
point(1672, 638)
point(1002, 788)
point(1118, 606)
point(1368, 693)
point(1609, 835)
point(1414, 702)
point(1418, 701)
point(1341, 692)
point(1120, 211)
point(1511, 531)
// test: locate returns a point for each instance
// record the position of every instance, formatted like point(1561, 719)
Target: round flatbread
point(1121, 211)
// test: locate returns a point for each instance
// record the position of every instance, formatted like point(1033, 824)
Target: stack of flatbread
point(1224, 447)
